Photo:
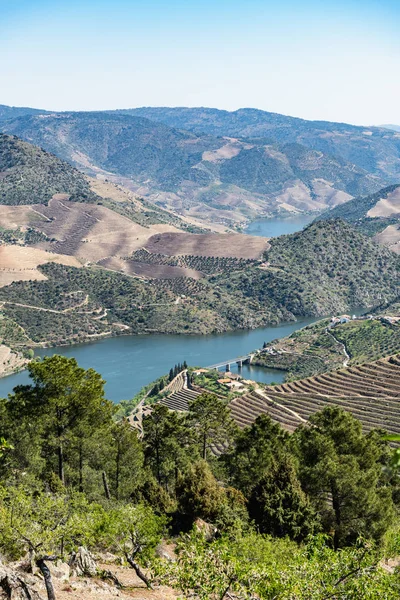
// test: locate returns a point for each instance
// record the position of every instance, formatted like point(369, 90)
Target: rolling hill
point(30, 175)
point(227, 180)
point(377, 215)
point(375, 149)
point(325, 269)
point(181, 283)
point(12, 112)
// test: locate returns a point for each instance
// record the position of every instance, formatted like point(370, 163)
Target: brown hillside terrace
point(371, 392)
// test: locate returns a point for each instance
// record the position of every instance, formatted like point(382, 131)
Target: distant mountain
point(211, 178)
point(377, 215)
point(13, 112)
point(31, 176)
point(393, 127)
point(374, 149)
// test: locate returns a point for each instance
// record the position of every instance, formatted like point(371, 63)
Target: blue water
point(281, 226)
point(127, 363)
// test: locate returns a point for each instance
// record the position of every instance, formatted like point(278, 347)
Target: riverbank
point(129, 362)
point(10, 361)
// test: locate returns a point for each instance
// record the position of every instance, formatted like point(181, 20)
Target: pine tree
point(253, 452)
point(211, 420)
point(278, 505)
point(61, 401)
point(340, 469)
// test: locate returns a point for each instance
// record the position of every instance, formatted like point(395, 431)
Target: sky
point(315, 59)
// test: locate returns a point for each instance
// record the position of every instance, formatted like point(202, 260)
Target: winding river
point(127, 363)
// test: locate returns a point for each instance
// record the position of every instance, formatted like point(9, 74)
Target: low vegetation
point(319, 347)
point(324, 269)
point(74, 480)
point(32, 176)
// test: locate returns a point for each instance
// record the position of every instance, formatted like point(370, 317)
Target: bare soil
point(388, 206)
point(10, 361)
point(19, 263)
point(235, 245)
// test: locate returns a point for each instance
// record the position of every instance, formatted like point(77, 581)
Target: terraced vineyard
point(180, 400)
point(208, 265)
point(371, 392)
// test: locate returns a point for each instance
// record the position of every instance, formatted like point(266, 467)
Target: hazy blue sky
point(335, 60)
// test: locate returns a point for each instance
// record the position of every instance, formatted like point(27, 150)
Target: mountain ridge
point(219, 179)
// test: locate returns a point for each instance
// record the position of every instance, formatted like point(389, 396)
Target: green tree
point(62, 401)
point(253, 452)
point(278, 505)
point(167, 443)
point(211, 420)
point(125, 460)
point(134, 531)
point(34, 523)
point(198, 492)
point(340, 469)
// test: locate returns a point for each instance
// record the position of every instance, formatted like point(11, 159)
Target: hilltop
point(30, 175)
point(377, 215)
point(222, 179)
point(12, 112)
point(375, 149)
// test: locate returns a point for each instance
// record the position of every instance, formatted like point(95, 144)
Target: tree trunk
point(158, 463)
point(138, 571)
point(105, 484)
point(80, 468)
point(117, 471)
point(204, 446)
point(44, 569)
point(337, 511)
point(60, 453)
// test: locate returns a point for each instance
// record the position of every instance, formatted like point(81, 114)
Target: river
point(278, 226)
point(127, 363)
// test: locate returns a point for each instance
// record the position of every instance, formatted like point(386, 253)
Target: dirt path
point(282, 406)
point(51, 310)
point(347, 355)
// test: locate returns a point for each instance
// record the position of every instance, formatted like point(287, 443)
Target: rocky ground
point(70, 584)
point(10, 361)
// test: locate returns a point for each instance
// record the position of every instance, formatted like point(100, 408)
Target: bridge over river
point(226, 364)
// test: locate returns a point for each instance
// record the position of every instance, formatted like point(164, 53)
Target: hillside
point(325, 269)
point(214, 179)
point(377, 215)
point(375, 149)
point(370, 392)
point(328, 345)
point(13, 112)
point(30, 175)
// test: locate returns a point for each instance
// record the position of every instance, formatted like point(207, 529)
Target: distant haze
point(335, 60)
point(394, 127)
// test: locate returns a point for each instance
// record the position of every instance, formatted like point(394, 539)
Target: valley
point(199, 300)
point(215, 176)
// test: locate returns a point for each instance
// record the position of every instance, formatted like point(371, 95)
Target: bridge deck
point(223, 363)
